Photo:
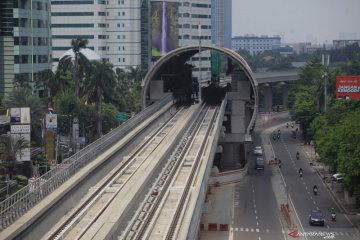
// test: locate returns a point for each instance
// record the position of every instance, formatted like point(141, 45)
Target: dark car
point(260, 163)
point(316, 218)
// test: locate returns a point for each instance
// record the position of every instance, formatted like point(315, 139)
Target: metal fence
point(23, 200)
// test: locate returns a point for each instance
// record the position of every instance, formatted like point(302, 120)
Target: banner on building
point(347, 87)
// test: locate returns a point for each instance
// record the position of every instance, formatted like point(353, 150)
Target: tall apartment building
point(121, 30)
point(25, 43)
point(254, 44)
point(111, 27)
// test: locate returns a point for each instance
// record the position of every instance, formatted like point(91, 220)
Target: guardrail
point(23, 200)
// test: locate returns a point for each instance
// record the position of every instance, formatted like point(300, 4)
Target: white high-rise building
point(121, 30)
point(112, 28)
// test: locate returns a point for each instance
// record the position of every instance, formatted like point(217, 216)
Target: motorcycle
point(300, 174)
point(315, 190)
point(333, 217)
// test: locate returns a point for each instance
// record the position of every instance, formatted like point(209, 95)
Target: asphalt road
point(301, 192)
point(256, 210)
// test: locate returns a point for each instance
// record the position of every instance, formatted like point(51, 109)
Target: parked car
point(316, 217)
point(258, 151)
point(337, 177)
point(259, 163)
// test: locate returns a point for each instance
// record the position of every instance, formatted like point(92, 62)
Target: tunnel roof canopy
point(180, 56)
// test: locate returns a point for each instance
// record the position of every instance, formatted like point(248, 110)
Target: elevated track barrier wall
point(26, 198)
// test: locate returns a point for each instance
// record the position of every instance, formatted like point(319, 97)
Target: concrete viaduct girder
point(178, 57)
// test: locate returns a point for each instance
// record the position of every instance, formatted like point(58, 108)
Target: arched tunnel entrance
point(174, 73)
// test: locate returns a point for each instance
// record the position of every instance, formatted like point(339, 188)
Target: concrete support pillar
point(285, 91)
point(268, 98)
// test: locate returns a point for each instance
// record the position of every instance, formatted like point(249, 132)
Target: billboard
point(164, 28)
point(347, 87)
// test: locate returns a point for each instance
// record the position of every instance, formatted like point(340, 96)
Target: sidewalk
point(336, 189)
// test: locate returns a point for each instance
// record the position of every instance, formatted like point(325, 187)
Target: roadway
point(256, 207)
point(256, 199)
point(301, 193)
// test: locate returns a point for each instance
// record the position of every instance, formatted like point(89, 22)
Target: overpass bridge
point(106, 187)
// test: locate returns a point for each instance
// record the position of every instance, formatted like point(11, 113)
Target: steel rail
point(67, 224)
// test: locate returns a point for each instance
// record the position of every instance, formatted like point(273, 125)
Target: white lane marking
point(259, 238)
point(327, 226)
point(256, 217)
point(255, 207)
point(257, 223)
point(252, 230)
point(241, 229)
point(236, 229)
point(246, 229)
point(257, 230)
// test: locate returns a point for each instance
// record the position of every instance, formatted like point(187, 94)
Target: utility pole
point(325, 62)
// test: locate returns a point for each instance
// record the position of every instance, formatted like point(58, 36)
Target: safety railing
point(23, 200)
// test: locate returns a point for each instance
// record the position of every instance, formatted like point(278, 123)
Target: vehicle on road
point(258, 151)
point(337, 177)
point(259, 163)
point(315, 190)
point(316, 217)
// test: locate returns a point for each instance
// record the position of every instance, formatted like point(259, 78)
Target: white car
point(337, 177)
point(258, 151)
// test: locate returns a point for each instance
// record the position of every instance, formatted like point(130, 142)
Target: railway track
point(160, 214)
point(94, 204)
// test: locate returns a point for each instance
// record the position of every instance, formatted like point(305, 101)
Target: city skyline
point(297, 21)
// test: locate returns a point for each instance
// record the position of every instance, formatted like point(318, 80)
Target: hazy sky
point(297, 20)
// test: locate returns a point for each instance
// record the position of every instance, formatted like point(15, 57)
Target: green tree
point(101, 82)
point(134, 74)
point(349, 151)
point(80, 66)
point(121, 74)
point(11, 146)
point(303, 109)
point(44, 81)
point(22, 80)
point(61, 83)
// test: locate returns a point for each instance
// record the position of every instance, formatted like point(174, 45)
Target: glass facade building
point(25, 41)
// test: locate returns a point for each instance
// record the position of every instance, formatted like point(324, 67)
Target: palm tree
point(134, 73)
point(23, 97)
point(121, 74)
point(11, 147)
point(62, 82)
point(80, 66)
point(45, 80)
point(101, 82)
